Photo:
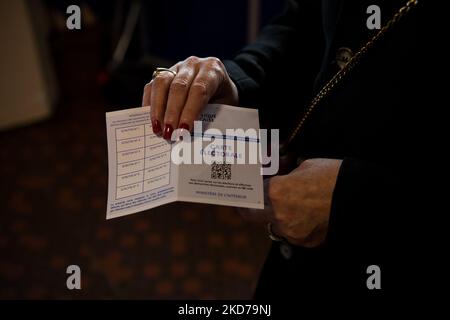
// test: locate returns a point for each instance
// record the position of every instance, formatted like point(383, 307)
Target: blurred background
point(55, 87)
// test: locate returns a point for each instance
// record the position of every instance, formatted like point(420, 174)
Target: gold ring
point(272, 235)
point(159, 70)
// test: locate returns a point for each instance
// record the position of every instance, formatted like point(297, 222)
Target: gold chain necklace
point(354, 60)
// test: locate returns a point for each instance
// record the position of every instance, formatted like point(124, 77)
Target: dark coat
point(368, 121)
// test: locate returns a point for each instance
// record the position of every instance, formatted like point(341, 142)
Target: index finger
point(201, 90)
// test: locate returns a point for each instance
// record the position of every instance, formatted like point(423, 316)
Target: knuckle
point(214, 61)
point(179, 84)
point(200, 88)
point(216, 65)
point(192, 59)
point(162, 80)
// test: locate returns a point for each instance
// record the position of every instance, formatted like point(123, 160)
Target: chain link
point(328, 87)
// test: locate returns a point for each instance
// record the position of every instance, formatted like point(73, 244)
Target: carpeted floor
point(52, 215)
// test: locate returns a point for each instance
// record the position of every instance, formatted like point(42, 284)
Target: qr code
point(221, 171)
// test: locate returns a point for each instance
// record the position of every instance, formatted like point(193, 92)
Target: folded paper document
point(217, 163)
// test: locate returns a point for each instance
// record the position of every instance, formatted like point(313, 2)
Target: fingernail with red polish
point(168, 129)
point(156, 127)
point(184, 126)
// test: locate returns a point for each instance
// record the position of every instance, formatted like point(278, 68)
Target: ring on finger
point(160, 70)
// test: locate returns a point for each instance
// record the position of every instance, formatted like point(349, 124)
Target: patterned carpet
point(52, 214)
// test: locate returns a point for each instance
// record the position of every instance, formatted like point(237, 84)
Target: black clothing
point(368, 121)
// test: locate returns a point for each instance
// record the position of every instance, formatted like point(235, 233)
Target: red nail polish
point(156, 126)
point(184, 126)
point(168, 129)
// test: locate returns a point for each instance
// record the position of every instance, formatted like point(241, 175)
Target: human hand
point(298, 204)
point(177, 100)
